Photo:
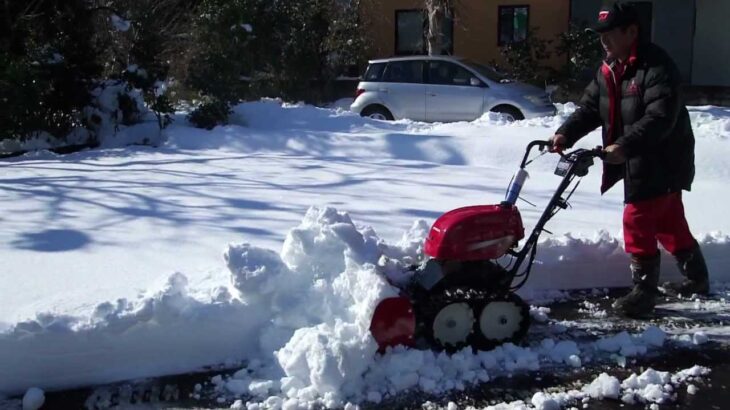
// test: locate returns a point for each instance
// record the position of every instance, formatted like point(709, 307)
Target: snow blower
point(464, 294)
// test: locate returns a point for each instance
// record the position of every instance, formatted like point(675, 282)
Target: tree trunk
point(436, 10)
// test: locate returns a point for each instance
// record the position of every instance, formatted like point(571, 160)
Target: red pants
point(657, 219)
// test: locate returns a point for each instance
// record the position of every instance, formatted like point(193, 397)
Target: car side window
point(446, 73)
point(410, 71)
point(374, 72)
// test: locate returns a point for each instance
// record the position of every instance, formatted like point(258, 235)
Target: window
point(410, 33)
point(488, 72)
point(513, 24)
point(644, 9)
point(404, 72)
point(374, 72)
point(445, 73)
point(409, 29)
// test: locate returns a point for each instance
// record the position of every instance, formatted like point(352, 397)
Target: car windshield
point(488, 72)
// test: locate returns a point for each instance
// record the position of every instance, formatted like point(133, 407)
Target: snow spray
point(516, 186)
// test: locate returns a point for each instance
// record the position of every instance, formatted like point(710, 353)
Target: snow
point(119, 23)
point(539, 313)
point(650, 387)
point(699, 338)
point(604, 386)
point(654, 336)
point(270, 241)
point(33, 399)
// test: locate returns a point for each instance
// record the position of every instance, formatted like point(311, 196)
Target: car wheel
point(377, 112)
point(511, 114)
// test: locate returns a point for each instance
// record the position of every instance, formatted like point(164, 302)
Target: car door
point(450, 94)
point(403, 89)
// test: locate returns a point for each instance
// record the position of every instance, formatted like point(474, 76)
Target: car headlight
point(537, 99)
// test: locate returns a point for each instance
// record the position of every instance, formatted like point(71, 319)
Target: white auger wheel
point(453, 324)
point(500, 320)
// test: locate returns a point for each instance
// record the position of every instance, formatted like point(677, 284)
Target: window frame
point(385, 72)
point(500, 43)
point(380, 74)
point(397, 52)
point(424, 41)
point(429, 81)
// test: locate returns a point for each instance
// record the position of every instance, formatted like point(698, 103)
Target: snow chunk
point(238, 404)
point(574, 361)
point(254, 270)
point(33, 399)
point(604, 386)
point(565, 351)
point(238, 387)
point(542, 401)
point(692, 389)
point(700, 338)
point(119, 23)
point(654, 336)
point(539, 314)
point(694, 371)
point(261, 388)
point(621, 343)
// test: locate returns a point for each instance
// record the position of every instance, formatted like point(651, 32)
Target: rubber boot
point(642, 298)
point(691, 264)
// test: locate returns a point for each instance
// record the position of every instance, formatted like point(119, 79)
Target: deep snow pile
point(298, 317)
point(301, 316)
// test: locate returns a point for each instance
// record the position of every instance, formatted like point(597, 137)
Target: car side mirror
point(475, 82)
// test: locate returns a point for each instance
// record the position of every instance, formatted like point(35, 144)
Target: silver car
point(441, 88)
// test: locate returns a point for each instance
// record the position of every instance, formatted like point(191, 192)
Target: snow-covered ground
point(132, 262)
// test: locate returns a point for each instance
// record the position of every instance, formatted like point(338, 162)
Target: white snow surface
point(112, 264)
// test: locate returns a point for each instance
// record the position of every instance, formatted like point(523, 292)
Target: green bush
point(293, 50)
point(526, 60)
point(210, 114)
point(583, 50)
point(47, 60)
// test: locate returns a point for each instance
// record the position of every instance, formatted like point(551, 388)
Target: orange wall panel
point(475, 28)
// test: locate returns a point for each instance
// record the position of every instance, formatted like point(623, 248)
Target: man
point(649, 144)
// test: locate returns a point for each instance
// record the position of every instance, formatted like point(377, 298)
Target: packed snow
point(139, 261)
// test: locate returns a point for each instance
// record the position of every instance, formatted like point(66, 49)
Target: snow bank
point(303, 313)
point(166, 332)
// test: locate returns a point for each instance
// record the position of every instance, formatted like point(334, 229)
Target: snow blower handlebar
point(571, 165)
point(540, 144)
point(597, 152)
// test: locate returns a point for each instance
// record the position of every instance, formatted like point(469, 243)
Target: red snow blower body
point(475, 233)
point(464, 293)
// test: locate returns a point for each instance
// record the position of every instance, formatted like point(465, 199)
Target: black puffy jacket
point(647, 118)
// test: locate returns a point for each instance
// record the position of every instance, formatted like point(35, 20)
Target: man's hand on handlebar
point(558, 143)
point(615, 154)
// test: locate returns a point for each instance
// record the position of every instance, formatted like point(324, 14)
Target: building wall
point(712, 44)
point(672, 25)
point(475, 28)
point(585, 11)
